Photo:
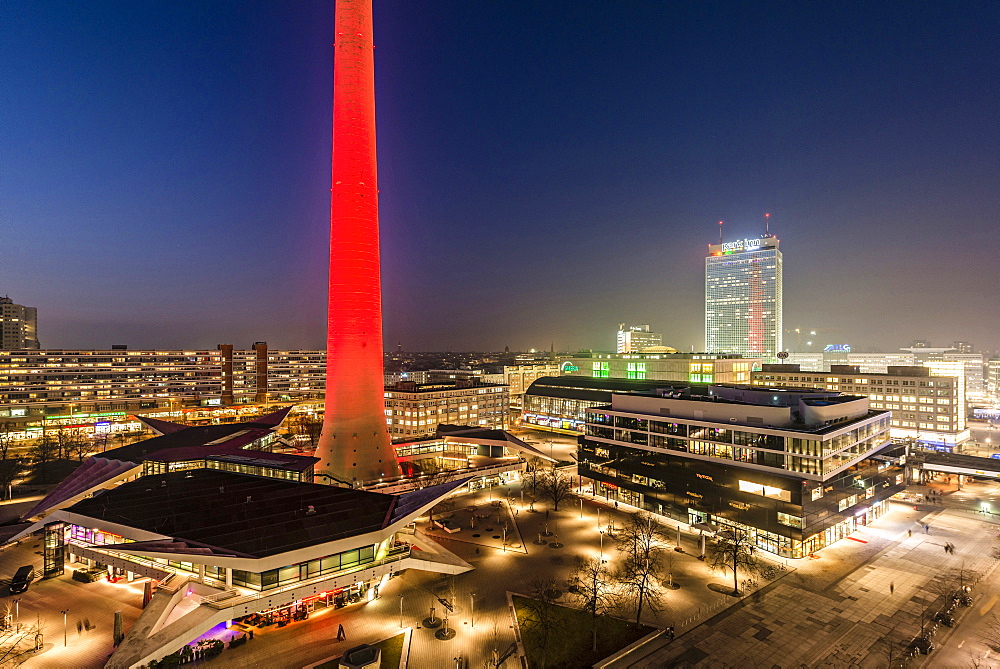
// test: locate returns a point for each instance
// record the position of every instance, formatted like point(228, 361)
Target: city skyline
point(164, 180)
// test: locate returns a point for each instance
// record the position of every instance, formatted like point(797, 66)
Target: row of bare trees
point(50, 446)
point(547, 483)
point(638, 581)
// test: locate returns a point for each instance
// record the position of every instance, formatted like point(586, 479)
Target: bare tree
point(595, 590)
point(990, 633)
point(42, 453)
point(543, 618)
point(494, 645)
point(980, 662)
point(733, 550)
point(533, 474)
point(893, 650)
point(16, 640)
point(308, 426)
point(101, 441)
point(64, 442)
point(10, 467)
point(556, 487)
point(77, 448)
point(445, 506)
point(642, 543)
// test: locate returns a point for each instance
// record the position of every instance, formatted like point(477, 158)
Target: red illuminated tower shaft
point(355, 445)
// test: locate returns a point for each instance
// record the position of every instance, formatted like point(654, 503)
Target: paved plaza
point(42, 605)
point(845, 608)
point(831, 611)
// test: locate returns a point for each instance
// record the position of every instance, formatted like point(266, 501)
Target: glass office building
point(743, 298)
point(797, 469)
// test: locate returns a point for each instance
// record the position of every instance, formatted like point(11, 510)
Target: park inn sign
point(742, 245)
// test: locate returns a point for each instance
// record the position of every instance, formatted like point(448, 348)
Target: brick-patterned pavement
point(823, 616)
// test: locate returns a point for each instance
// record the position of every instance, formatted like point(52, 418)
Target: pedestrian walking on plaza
point(927, 528)
point(79, 626)
point(909, 533)
point(250, 633)
point(86, 624)
point(341, 635)
point(892, 587)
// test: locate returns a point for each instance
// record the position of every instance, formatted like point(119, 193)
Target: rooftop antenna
point(767, 225)
point(720, 232)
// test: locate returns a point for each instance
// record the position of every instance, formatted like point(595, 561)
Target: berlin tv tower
point(354, 445)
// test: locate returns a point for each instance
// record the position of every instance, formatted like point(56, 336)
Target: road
point(966, 645)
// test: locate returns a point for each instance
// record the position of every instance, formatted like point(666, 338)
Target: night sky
point(547, 169)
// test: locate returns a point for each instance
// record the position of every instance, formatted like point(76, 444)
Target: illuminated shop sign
point(837, 348)
point(742, 245)
point(569, 367)
point(87, 415)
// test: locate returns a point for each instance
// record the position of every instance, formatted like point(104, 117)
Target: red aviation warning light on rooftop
point(355, 444)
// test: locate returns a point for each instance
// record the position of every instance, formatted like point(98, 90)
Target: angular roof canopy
point(94, 471)
point(488, 437)
point(177, 443)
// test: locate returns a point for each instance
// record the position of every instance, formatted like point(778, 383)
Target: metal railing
point(96, 552)
point(219, 596)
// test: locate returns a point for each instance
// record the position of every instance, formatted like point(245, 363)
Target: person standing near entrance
point(341, 635)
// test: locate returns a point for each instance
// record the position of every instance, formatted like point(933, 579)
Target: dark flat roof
point(236, 513)
point(588, 388)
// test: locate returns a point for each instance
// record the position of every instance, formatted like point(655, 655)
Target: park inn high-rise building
point(743, 298)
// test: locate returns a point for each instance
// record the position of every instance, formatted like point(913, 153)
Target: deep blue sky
point(547, 169)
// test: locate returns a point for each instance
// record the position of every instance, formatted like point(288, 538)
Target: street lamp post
point(400, 611)
point(473, 595)
point(65, 611)
point(598, 518)
point(581, 508)
point(602, 544)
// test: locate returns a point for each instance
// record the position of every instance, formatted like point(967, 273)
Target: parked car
point(21, 579)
